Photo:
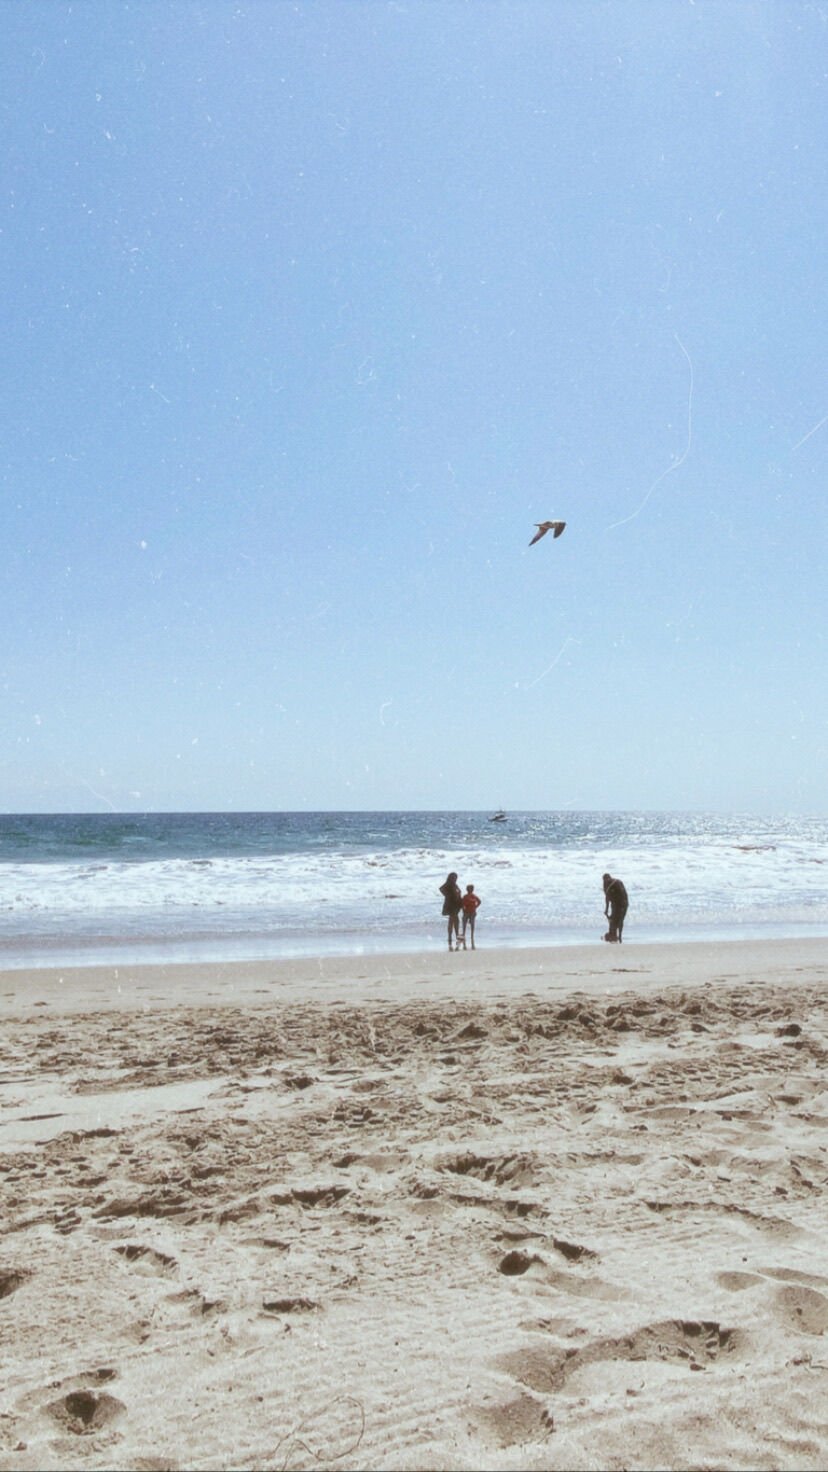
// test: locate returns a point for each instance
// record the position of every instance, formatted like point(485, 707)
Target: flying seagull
point(556, 527)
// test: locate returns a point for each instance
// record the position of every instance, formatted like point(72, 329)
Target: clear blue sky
point(312, 310)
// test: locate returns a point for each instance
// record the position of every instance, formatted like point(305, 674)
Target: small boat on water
point(498, 817)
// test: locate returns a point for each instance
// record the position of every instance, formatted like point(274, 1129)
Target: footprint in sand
point(794, 1275)
point(510, 1208)
point(518, 1262)
point(11, 1279)
point(318, 1195)
point(736, 1282)
point(84, 1412)
point(695, 1344)
point(275, 1244)
point(586, 1287)
point(564, 1328)
point(514, 1422)
point(572, 1251)
point(773, 1226)
point(516, 1170)
point(85, 1383)
point(195, 1304)
point(380, 1160)
point(168, 1202)
point(802, 1309)
point(296, 1305)
point(147, 1259)
point(520, 1235)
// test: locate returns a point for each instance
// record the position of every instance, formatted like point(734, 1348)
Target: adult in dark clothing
point(452, 906)
point(616, 905)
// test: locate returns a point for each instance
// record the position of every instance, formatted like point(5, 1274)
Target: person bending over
point(616, 904)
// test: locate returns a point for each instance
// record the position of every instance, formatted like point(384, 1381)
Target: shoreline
point(402, 976)
point(35, 952)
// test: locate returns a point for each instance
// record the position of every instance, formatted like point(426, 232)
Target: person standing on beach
point(471, 905)
point(616, 904)
point(452, 905)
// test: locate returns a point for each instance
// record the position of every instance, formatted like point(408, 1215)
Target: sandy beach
point(559, 1208)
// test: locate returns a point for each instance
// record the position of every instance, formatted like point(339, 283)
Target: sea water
point(89, 888)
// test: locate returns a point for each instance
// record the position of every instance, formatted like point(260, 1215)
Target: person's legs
point(471, 929)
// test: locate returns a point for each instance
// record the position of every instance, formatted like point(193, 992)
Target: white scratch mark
point(159, 393)
point(383, 708)
point(823, 420)
point(559, 656)
point(677, 460)
point(75, 777)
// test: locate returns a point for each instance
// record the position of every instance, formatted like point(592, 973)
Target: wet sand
point(524, 1209)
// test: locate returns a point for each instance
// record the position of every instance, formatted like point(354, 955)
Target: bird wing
point(555, 527)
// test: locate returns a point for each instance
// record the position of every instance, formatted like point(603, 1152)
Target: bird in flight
point(556, 527)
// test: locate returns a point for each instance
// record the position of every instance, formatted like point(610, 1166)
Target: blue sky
point(312, 310)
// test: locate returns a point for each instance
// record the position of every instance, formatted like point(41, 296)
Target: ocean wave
point(663, 880)
point(341, 877)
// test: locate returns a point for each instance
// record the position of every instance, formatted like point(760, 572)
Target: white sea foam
point(335, 899)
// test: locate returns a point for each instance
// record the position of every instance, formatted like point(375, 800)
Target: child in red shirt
point(471, 904)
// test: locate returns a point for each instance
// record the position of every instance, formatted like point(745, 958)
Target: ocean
point(82, 889)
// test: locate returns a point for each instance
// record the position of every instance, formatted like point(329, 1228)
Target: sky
point(312, 310)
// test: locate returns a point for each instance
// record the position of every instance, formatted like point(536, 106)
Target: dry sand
point(535, 1209)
